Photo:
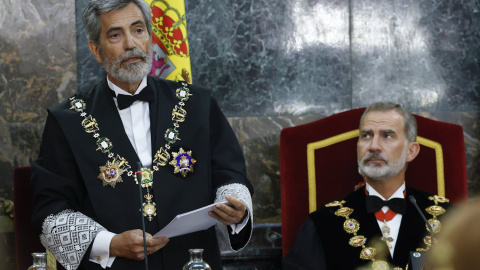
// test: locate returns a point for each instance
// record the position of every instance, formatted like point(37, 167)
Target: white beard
point(134, 72)
point(381, 172)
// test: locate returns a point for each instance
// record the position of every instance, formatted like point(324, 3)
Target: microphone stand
point(138, 175)
point(414, 202)
point(417, 257)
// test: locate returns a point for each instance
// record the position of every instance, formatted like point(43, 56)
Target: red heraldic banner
point(171, 53)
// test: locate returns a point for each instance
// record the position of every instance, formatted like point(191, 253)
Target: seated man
point(352, 233)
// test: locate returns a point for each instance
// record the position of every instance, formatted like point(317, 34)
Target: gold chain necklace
point(111, 172)
point(368, 253)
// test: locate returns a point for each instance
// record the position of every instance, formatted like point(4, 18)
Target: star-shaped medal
point(182, 162)
point(111, 174)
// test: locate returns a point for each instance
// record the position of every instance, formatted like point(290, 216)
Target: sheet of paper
point(193, 221)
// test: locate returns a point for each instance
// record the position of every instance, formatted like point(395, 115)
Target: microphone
point(414, 202)
point(138, 175)
point(417, 257)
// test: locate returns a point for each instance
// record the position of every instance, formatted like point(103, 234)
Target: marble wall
point(37, 70)
point(270, 64)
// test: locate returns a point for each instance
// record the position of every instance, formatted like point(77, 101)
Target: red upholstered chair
point(26, 241)
point(318, 164)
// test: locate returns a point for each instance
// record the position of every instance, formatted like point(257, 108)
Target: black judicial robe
point(322, 243)
point(65, 175)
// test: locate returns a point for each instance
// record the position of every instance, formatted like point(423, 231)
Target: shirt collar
point(119, 90)
point(397, 194)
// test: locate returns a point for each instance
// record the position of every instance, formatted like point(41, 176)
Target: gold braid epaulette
point(352, 226)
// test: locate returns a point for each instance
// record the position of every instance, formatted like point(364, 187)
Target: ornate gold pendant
point(111, 174)
point(438, 199)
point(161, 157)
point(149, 208)
point(147, 177)
point(386, 235)
point(368, 253)
point(344, 212)
point(357, 241)
point(182, 162)
point(435, 210)
point(428, 241)
point(78, 105)
point(351, 225)
point(436, 225)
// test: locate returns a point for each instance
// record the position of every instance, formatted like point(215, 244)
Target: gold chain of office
point(111, 172)
point(352, 226)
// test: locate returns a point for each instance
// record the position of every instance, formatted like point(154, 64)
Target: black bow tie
point(374, 204)
point(124, 101)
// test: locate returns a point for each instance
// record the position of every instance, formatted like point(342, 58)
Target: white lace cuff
point(67, 235)
point(243, 194)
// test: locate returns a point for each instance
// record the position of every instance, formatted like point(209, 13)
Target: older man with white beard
point(87, 207)
point(352, 233)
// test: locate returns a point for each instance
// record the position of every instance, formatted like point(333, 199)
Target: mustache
point(131, 53)
point(374, 156)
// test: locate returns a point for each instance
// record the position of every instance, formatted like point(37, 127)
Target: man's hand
point(129, 244)
point(230, 213)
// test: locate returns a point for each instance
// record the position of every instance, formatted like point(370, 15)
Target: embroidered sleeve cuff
point(67, 235)
point(239, 190)
point(100, 252)
point(243, 194)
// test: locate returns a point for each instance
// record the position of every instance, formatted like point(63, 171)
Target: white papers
point(189, 222)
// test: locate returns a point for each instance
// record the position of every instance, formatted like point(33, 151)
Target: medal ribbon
point(389, 215)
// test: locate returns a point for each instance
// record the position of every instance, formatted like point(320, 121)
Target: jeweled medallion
point(78, 105)
point(147, 177)
point(386, 235)
point(435, 210)
point(149, 208)
point(438, 199)
point(183, 162)
point(357, 241)
point(385, 229)
point(428, 240)
point(368, 253)
point(104, 145)
point(351, 225)
point(436, 225)
point(171, 135)
point(111, 174)
point(183, 94)
point(344, 212)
